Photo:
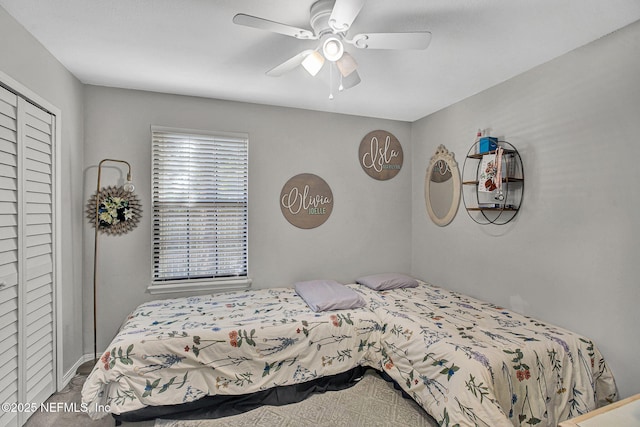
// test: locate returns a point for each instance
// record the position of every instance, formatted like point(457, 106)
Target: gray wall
point(569, 258)
point(571, 255)
point(368, 231)
point(24, 59)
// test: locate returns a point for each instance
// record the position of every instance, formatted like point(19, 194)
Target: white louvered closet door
point(27, 320)
point(37, 252)
point(8, 253)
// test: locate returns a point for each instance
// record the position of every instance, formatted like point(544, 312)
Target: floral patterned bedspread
point(471, 363)
point(179, 350)
point(466, 362)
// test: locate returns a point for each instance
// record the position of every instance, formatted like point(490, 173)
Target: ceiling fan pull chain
point(330, 82)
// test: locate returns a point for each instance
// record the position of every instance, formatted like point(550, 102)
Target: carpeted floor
point(371, 402)
point(70, 395)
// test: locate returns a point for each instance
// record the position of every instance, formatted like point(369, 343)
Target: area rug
point(371, 402)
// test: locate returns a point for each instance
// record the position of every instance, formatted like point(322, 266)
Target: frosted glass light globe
point(332, 49)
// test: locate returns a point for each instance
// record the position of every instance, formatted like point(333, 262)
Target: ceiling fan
point(330, 21)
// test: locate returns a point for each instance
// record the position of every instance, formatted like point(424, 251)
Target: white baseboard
point(72, 372)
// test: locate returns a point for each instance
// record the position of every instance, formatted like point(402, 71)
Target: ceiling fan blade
point(416, 40)
point(274, 27)
point(344, 13)
point(289, 64)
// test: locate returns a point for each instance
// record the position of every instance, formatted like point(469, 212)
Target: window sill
point(200, 286)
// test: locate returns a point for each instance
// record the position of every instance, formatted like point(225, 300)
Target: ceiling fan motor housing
point(320, 12)
point(332, 47)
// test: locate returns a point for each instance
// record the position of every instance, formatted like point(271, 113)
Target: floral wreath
point(118, 211)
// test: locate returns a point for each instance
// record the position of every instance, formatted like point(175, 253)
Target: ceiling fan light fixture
point(332, 49)
point(350, 81)
point(330, 21)
point(313, 63)
point(347, 64)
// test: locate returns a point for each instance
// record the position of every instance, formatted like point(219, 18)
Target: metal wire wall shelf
point(493, 207)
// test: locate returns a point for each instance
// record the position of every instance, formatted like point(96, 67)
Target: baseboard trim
point(72, 371)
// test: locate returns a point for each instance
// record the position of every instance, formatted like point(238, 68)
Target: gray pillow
point(384, 281)
point(323, 295)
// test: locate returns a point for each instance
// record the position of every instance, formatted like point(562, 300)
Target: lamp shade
point(350, 81)
point(313, 63)
point(347, 64)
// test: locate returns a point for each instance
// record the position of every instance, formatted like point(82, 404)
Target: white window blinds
point(200, 210)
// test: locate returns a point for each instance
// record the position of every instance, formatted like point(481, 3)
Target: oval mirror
point(442, 187)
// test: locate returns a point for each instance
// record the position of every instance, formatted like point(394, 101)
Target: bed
point(472, 363)
point(464, 361)
point(177, 351)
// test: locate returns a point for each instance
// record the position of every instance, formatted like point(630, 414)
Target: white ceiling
point(192, 47)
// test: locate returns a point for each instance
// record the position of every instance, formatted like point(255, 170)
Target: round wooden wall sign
point(380, 155)
point(306, 201)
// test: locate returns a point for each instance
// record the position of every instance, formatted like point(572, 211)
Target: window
point(200, 210)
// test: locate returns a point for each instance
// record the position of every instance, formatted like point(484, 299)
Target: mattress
point(472, 363)
point(178, 350)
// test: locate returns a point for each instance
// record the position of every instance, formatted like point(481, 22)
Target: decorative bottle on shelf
point(477, 141)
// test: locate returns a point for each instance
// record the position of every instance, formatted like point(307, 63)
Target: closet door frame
point(26, 93)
